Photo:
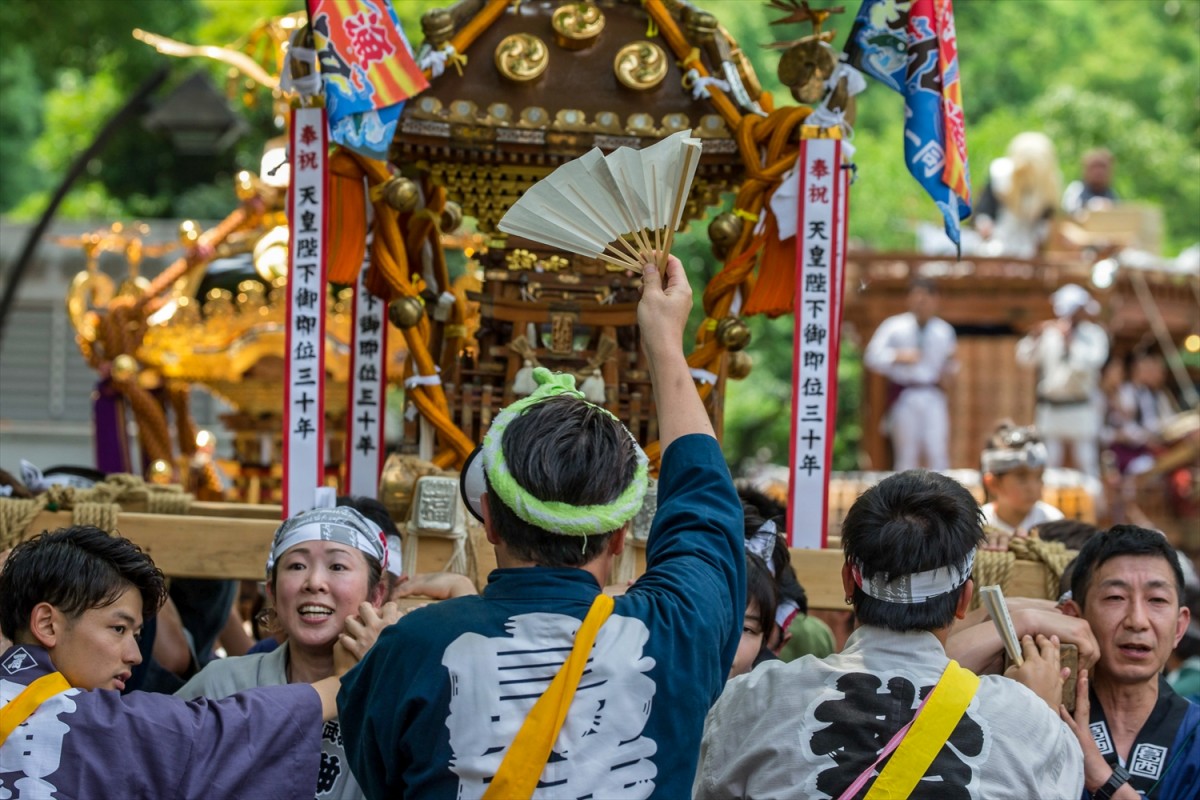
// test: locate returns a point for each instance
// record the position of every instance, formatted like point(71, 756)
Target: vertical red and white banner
point(368, 376)
point(820, 246)
point(304, 389)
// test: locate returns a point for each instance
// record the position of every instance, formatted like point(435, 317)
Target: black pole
point(131, 107)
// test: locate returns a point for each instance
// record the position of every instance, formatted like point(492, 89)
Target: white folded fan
point(631, 198)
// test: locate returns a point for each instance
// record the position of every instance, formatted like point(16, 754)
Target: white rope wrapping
point(308, 85)
point(422, 380)
point(699, 84)
point(445, 302)
point(435, 60)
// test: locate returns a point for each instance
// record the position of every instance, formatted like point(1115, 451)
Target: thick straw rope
point(99, 505)
point(100, 515)
point(995, 567)
point(16, 516)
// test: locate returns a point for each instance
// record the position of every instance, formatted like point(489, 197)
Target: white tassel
point(593, 388)
point(523, 382)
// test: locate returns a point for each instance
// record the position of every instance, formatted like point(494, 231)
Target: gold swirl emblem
point(576, 25)
point(641, 65)
point(522, 57)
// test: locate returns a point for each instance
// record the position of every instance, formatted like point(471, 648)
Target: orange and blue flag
point(367, 70)
point(911, 47)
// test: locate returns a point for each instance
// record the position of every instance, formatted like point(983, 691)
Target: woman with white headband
point(323, 576)
point(1012, 464)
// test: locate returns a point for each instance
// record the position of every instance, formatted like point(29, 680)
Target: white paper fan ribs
point(620, 208)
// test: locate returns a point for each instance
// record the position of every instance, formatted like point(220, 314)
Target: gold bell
point(124, 368)
point(401, 194)
point(733, 333)
point(739, 365)
point(725, 229)
point(406, 312)
point(805, 67)
point(400, 473)
point(452, 217)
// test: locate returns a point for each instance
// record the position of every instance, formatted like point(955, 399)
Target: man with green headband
point(508, 694)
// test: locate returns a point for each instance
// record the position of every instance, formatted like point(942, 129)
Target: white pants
point(920, 428)
point(1077, 424)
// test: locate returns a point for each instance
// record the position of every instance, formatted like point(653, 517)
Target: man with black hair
point(1139, 738)
point(73, 602)
point(915, 352)
point(859, 720)
point(507, 694)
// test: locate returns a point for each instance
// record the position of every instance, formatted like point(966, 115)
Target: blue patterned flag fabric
point(911, 47)
point(367, 69)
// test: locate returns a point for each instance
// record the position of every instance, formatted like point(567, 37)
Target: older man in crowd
point(1139, 738)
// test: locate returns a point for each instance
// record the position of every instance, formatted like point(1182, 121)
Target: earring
point(849, 601)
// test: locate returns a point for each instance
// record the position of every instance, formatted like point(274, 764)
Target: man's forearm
point(680, 409)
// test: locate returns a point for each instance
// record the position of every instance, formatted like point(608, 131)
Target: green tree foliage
point(1113, 73)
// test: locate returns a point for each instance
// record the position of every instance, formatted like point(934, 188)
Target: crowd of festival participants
point(707, 677)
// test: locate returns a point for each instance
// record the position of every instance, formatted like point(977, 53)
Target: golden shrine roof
point(526, 88)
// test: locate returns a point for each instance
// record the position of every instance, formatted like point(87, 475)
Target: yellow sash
point(23, 705)
point(929, 733)
point(530, 750)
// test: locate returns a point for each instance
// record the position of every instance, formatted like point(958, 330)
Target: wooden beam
point(233, 548)
point(187, 546)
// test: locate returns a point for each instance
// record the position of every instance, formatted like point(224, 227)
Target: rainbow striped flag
point(367, 70)
point(914, 51)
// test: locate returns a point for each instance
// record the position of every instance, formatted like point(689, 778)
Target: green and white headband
point(555, 516)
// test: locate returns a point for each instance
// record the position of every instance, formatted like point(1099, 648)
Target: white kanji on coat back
point(600, 751)
point(35, 747)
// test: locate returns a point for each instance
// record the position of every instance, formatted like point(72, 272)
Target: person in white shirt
point(843, 726)
point(915, 352)
point(1069, 352)
point(1012, 464)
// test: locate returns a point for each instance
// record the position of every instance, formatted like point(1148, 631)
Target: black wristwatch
point(1120, 777)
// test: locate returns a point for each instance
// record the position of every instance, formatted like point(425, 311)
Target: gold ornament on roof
point(522, 57)
point(640, 66)
point(520, 259)
point(438, 26)
point(577, 25)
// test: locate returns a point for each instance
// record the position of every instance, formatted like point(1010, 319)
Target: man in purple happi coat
point(73, 602)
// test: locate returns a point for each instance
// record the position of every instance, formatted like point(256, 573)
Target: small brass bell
point(452, 217)
point(401, 194)
point(406, 312)
point(733, 333)
point(739, 365)
point(725, 229)
point(805, 67)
